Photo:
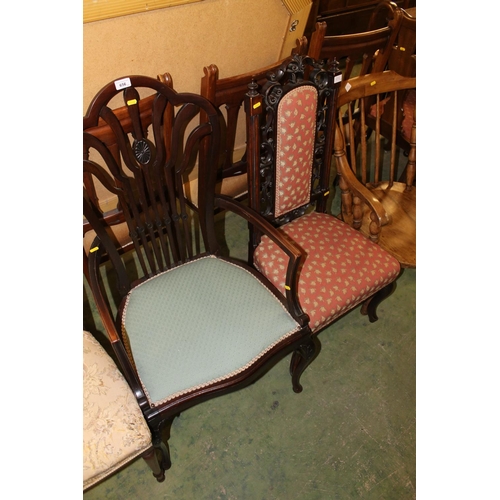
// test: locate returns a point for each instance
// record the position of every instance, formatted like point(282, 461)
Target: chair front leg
point(301, 359)
point(158, 442)
point(151, 458)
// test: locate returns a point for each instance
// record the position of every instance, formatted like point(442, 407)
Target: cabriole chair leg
point(369, 307)
point(301, 359)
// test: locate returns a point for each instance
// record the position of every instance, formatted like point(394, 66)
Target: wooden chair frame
point(382, 207)
point(152, 203)
point(262, 142)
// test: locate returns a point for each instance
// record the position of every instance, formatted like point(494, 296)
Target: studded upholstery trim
point(295, 148)
point(201, 323)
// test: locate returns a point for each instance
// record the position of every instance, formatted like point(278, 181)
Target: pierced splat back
point(154, 144)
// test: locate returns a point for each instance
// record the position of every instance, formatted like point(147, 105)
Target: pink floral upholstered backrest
point(295, 148)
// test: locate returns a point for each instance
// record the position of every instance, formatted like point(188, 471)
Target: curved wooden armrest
point(354, 184)
point(371, 84)
point(294, 252)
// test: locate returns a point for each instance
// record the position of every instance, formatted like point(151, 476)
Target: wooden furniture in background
point(185, 324)
point(373, 200)
point(290, 142)
point(368, 51)
point(228, 94)
point(346, 16)
point(357, 53)
point(402, 60)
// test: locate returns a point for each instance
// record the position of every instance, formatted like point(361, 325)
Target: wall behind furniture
point(237, 35)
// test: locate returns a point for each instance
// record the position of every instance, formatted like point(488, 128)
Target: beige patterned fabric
point(114, 430)
point(295, 147)
point(342, 267)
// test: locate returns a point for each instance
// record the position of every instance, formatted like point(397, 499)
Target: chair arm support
point(353, 184)
point(362, 192)
point(292, 250)
point(109, 325)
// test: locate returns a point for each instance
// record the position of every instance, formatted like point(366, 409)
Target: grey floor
point(349, 434)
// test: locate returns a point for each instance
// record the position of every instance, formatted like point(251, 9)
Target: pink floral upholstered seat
point(342, 268)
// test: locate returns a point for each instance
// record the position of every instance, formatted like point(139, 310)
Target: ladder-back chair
point(402, 57)
point(362, 53)
point(402, 60)
point(357, 53)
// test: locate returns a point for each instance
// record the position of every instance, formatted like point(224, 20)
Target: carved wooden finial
point(335, 65)
point(335, 70)
point(252, 88)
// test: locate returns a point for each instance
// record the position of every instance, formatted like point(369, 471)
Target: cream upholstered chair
point(114, 429)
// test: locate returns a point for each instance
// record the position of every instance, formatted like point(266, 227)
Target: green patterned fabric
point(200, 322)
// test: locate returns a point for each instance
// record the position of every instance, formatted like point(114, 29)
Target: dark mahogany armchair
point(185, 324)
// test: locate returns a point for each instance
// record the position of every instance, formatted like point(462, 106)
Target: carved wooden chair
point(290, 143)
point(228, 94)
point(402, 57)
point(185, 325)
point(373, 200)
point(114, 429)
point(115, 220)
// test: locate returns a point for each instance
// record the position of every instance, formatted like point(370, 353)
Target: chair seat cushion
point(342, 267)
point(114, 429)
point(200, 323)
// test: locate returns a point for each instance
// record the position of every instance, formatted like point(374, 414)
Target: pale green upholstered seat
point(185, 323)
point(198, 323)
point(114, 429)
